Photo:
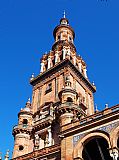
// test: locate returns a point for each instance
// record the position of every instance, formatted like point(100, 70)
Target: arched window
point(21, 148)
point(59, 37)
point(96, 149)
point(69, 99)
point(25, 122)
point(70, 39)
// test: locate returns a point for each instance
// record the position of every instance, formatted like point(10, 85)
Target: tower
point(22, 132)
point(61, 120)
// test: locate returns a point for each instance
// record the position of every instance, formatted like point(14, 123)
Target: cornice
point(97, 119)
point(40, 153)
point(57, 67)
point(63, 43)
point(63, 25)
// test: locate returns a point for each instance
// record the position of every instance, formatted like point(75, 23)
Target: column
point(46, 140)
point(49, 137)
point(39, 98)
point(51, 110)
point(56, 88)
point(41, 141)
point(36, 145)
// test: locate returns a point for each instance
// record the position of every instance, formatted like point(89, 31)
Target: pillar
point(49, 137)
point(36, 146)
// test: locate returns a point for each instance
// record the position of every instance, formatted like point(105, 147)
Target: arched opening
point(69, 99)
point(96, 149)
point(21, 148)
point(25, 122)
point(118, 143)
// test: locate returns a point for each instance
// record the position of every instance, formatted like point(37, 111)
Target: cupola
point(64, 31)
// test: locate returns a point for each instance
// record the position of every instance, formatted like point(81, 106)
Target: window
point(59, 37)
point(25, 123)
point(64, 22)
point(48, 88)
point(21, 148)
point(70, 39)
point(69, 99)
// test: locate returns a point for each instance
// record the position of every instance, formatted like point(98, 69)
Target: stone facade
point(61, 119)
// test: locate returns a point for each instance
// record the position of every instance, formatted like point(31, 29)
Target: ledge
point(40, 153)
point(58, 66)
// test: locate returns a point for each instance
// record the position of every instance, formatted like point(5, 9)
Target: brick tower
point(61, 123)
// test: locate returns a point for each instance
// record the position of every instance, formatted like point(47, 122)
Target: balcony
point(71, 106)
point(21, 128)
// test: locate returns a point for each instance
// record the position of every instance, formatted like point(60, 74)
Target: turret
point(69, 108)
point(64, 31)
point(22, 132)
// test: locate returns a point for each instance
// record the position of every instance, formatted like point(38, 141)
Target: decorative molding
point(109, 127)
point(106, 128)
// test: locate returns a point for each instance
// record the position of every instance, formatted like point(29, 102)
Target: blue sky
point(26, 28)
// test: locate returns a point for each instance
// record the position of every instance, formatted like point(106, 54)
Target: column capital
point(114, 153)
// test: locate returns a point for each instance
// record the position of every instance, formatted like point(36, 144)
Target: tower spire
point(64, 14)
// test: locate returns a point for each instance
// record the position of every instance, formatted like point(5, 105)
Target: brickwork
point(61, 119)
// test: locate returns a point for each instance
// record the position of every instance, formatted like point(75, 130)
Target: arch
point(97, 148)
point(69, 99)
point(79, 147)
point(114, 135)
point(118, 142)
point(25, 122)
point(21, 147)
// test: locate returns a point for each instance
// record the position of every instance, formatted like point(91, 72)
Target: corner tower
point(62, 93)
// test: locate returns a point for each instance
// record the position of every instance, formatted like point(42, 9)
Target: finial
point(64, 14)
point(0, 155)
point(7, 155)
point(106, 105)
point(93, 83)
point(96, 108)
point(32, 76)
point(28, 100)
